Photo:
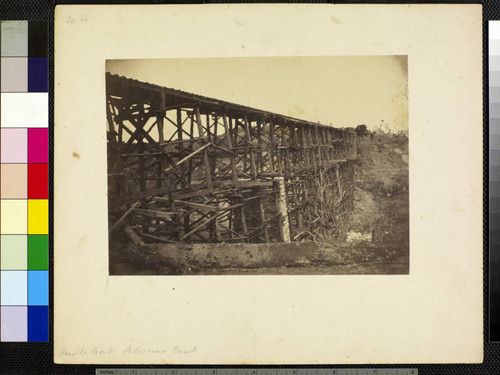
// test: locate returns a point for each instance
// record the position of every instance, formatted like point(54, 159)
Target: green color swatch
point(38, 252)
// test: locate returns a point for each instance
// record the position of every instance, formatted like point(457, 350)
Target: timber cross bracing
point(183, 167)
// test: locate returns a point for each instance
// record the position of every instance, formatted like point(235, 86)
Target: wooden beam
point(206, 161)
point(155, 214)
point(253, 166)
point(263, 219)
point(189, 156)
point(202, 225)
point(124, 216)
point(156, 238)
point(199, 206)
point(133, 236)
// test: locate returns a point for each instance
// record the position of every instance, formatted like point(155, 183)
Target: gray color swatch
point(14, 40)
point(14, 74)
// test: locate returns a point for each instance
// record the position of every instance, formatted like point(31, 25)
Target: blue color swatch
point(38, 323)
point(38, 69)
point(38, 288)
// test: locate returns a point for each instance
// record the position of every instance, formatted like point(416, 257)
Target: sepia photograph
point(258, 166)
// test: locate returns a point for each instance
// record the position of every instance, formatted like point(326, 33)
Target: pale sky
point(343, 91)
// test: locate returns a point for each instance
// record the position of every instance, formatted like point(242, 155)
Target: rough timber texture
point(209, 171)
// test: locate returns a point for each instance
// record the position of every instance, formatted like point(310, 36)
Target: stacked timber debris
point(186, 168)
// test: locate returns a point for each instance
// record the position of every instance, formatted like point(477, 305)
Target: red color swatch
point(38, 181)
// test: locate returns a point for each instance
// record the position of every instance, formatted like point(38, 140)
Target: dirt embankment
point(381, 216)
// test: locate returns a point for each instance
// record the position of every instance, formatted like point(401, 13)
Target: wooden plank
point(139, 130)
point(225, 150)
point(181, 148)
point(267, 221)
point(263, 219)
point(111, 125)
point(226, 189)
point(227, 129)
point(150, 193)
point(201, 218)
point(253, 166)
point(202, 225)
point(124, 216)
point(245, 184)
point(204, 207)
point(199, 193)
point(206, 161)
point(155, 214)
point(274, 146)
point(191, 140)
point(202, 148)
point(209, 134)
point(269, 146)
point(156, 238)
point(133, 236)
point(198, 206)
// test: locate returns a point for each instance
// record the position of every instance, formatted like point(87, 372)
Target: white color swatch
point(25, 110)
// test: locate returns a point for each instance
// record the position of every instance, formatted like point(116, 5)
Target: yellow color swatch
point(14, 216)
point(38, 216)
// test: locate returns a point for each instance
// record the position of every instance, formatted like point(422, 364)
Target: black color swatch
point(37, 39)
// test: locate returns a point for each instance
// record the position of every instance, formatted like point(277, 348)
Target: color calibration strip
point(494, 177)
point(24, 201)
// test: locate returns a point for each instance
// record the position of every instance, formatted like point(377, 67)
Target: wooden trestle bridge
point(188, 168)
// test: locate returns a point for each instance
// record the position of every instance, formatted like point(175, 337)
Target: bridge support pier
point(281, 206)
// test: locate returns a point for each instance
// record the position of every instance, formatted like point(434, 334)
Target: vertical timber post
point(206, 162)
point(263, 217)
point(250, 143)
point(269, 145)
point(229, 143)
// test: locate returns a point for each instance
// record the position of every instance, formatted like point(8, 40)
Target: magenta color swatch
point(14, 145)
point(38, 145)
point(14, 323)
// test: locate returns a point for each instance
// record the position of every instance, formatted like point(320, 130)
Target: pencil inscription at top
point(72, 20)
